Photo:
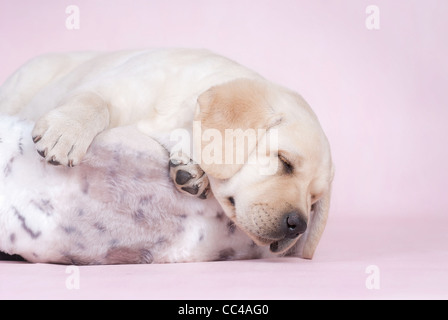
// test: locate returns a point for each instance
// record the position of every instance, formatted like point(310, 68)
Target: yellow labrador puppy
point(74, 97)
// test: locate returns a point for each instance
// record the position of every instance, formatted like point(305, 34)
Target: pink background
point(381, 95)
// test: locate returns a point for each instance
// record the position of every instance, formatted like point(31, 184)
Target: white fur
point(118, 206)
point(73, 98)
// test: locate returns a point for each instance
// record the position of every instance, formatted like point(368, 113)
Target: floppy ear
point(310, 239)
point(230, 116)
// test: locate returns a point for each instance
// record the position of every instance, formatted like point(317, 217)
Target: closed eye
point(287, 166)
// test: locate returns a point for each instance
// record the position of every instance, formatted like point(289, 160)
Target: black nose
point(294, 225)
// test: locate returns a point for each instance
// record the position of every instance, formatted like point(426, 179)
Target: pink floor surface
point(409, 259)
point(380, 95)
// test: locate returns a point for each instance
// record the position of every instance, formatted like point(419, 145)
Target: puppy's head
point(268, 162)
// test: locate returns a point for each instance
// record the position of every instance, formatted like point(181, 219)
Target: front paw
point(62, 140)
point(189, 178)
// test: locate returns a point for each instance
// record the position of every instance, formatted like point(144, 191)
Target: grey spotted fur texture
point(118, 206)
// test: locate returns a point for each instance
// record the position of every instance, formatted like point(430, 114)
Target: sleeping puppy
point(118, 206)
point(255, 147)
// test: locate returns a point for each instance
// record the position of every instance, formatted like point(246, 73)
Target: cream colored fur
point(74, 97)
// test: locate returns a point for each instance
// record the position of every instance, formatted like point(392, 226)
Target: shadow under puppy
point(118, 206)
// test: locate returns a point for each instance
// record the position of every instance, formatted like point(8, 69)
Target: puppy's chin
point(282, 245)
point(275, 246)
point(261, 241)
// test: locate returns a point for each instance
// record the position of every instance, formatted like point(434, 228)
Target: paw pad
point(189, 178)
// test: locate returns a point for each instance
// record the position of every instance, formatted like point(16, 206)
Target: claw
point(53, 161)
point(204, 194)
point(42, 153)
point(174, 163)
